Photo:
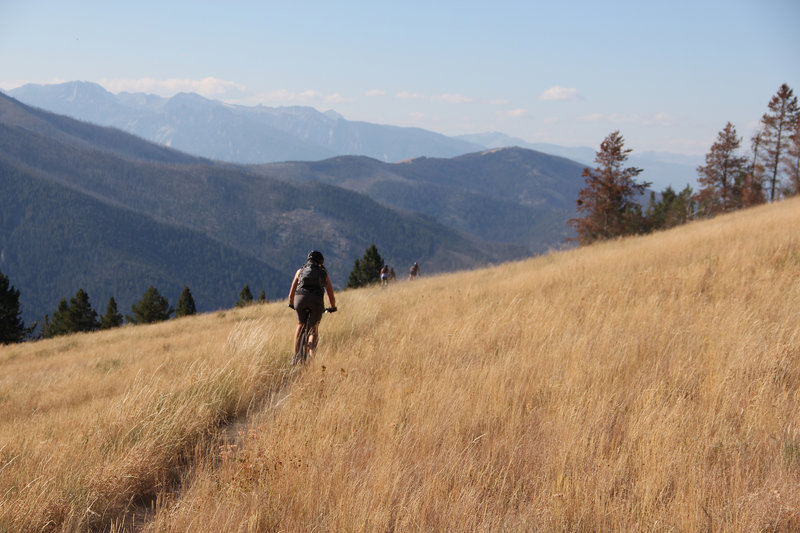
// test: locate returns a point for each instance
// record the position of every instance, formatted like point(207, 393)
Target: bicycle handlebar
point(327, 309)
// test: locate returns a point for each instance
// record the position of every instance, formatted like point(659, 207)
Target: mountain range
point(93, 207)
point(239, 134)
point(261, 134)
point(506, 195)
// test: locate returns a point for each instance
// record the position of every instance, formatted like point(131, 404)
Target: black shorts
point(309, 301)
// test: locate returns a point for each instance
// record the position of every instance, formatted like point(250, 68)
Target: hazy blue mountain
point(261, 134)
point(663, 169)
point(84, 135)
point(510, 195)
point(240, 134)
point(95, 208)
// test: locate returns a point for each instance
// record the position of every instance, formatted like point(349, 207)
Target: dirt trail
point(142, 510)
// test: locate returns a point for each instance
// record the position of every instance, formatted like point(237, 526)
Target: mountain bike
point(304, 349)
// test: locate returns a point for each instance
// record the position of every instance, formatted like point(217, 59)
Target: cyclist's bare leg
point(313, 336)
point(297, 333)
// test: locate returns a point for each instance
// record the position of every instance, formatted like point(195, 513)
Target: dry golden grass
point(647, 384)
point(91, 423)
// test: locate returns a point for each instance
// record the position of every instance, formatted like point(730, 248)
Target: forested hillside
point(55, 240)
point(156, 195)
point(510, 195)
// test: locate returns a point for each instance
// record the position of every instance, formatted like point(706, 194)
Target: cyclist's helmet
point(316, 257)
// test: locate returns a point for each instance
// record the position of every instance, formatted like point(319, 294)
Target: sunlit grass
point(91, 423)
point(647, 384)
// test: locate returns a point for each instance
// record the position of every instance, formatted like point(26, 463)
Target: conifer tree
point(73, 317)
point(792, 162)
point(12, 329)
point(753, 187)
point(778, 126)
point(186, 305)
point(245, 296)
point(81, 315)
point(673, 209)
point(112, 318)
point(723, 176)
point(366, 270)
point(354, 279)
point(262, 297)
point(608, 202)
point(151, 308)
point(59, 324)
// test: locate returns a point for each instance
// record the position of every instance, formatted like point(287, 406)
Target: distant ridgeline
point(93, 208)
point(261, 134)
point(239, 134)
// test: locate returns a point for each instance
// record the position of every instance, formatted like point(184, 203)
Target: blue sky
point(667, 74)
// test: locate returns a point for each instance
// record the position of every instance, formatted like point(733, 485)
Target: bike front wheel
point(303, 346)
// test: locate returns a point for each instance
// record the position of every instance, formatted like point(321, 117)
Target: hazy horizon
point(668, 76)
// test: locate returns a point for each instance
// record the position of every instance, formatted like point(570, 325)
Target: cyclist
point(310, 283)
point(413, 271)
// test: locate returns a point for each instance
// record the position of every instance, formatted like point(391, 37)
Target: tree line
point(77, 314)
point(609, 205)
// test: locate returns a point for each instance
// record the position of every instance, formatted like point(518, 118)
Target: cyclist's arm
point(293, 289)
point(329, 290)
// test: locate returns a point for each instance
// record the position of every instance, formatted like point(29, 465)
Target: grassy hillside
point(647, 384)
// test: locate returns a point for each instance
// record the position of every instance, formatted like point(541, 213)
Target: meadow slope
point(650, 383)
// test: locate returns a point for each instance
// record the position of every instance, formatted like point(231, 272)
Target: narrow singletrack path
point(142, 510)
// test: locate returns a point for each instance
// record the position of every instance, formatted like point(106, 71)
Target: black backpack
point(312, 279)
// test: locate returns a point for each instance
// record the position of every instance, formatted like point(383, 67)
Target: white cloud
point(657, 119)
point(452, 98)
point(376, 92)
point(409, 96)
point(664, 119)
point(596, 117)
point(337, 98)
point(209, 87)
point(286, 97)
point(560, 93)
point(513, 113)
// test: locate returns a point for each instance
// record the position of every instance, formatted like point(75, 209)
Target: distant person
point(385, 274)
point(310, 283)
point(414, 271)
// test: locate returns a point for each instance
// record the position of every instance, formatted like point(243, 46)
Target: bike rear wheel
point(303, 347)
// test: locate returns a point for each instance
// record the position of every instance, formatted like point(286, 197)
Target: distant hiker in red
point(385, 274)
